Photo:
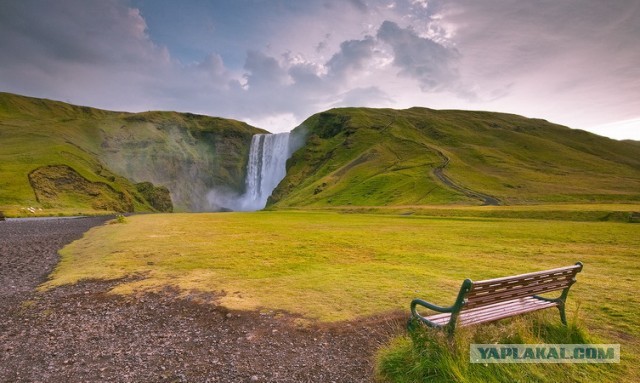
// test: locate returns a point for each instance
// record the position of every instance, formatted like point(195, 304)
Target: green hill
point(64, 158)
point(418, 156)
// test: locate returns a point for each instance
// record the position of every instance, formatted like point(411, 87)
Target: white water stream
point(266, 168)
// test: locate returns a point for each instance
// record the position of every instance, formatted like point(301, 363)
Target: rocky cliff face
point(58, 156)
point(192, 156)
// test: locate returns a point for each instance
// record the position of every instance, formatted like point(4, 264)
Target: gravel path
point(81, 334)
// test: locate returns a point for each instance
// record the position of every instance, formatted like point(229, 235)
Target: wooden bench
point(494, 299)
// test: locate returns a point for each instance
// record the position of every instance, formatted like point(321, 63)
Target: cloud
point(96, 54)
point(574, 62)
point(263, 71)
point(359, 5)
point(352, 57)
point(73, 33)
point(102, 54)
point(421, 58)
point(214, 69)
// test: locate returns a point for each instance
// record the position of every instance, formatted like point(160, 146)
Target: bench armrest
point(430, 306)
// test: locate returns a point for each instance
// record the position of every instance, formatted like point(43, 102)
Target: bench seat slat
point(493, 312)
point(502, 305)
point(504, 314)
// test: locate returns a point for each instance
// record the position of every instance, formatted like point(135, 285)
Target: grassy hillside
point(418, 156)
point(63, 158)
point(68, 159)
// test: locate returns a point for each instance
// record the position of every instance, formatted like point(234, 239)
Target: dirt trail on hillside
point(80, 333)
point(439, 172)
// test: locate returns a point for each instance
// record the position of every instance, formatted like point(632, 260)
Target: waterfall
point(266, 168)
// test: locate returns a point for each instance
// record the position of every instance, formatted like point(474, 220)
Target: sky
point(273, 63)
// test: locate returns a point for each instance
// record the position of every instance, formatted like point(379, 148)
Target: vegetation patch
point(352, 157)
point(61, 186)
point(427, 354)
point(555, 212)
point(159, 197)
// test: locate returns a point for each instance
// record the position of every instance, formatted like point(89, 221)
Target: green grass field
point(331, 266)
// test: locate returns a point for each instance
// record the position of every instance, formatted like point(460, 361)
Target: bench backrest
point(483, 293)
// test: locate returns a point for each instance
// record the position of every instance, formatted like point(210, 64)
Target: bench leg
point(412, 324)
point(561, 306)
point(563, 314)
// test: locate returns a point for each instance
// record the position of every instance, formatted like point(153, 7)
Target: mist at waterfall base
point(266, 167)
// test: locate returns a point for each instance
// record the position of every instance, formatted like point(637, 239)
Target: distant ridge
point(420, 156)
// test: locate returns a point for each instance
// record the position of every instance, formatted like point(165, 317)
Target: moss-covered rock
point(158, 197)
point(62, 186)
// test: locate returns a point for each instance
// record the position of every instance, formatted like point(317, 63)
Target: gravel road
point(80, 333)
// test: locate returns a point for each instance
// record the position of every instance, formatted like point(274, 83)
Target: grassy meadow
point(332, 266)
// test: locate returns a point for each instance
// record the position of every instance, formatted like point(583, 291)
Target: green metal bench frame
point(499, 298)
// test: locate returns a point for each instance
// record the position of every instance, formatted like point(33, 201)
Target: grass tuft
point(428, 354)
